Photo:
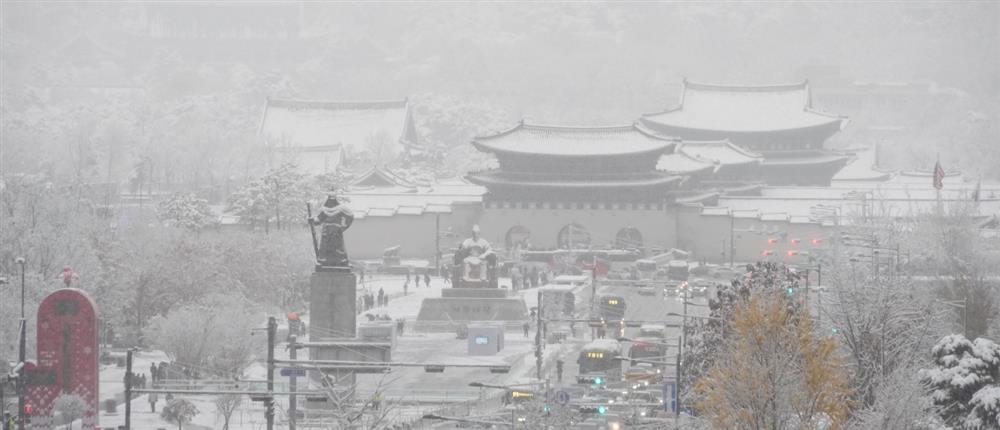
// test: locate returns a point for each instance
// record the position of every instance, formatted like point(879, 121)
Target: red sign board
point(67, 356)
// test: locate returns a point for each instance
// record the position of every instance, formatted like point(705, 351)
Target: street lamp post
point(21, 353)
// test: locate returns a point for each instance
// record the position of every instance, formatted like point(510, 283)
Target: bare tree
point(372, 412)
point(226, 405)
point(70, 407)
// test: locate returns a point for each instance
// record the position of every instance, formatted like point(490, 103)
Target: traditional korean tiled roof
point(743, 108)
point(305, 123)
point(802, 158)
point(565, 141)
point(378, 176)
point(720, 152)
point(679, 163)
point(495, 177)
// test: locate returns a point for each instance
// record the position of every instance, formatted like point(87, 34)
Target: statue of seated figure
point(476, 258)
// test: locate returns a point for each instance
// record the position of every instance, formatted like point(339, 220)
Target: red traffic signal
point(795, 241)
point(27, 409)
point(767, 253)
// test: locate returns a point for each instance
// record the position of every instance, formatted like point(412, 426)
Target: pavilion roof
point(743, 108)
point(309, 123)
point(720, 152)
point(568, 141)
point(683, 164)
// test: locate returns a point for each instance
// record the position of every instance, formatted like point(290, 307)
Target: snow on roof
point(574, 141)
point(719, 152)
point(743, 108)
point(683, 164)
point(603, 345)
point(301, 123)
point(378, 176)
point(862, 168)
point(411, 201)
point(558, 287)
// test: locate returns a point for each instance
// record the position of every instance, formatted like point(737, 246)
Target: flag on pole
point(938, 175)
point(975, 193)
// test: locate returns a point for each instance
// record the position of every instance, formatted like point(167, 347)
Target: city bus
point(611, 309)
point(599, 362)
point(652, 351)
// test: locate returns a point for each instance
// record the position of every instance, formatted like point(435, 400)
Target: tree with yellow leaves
point(775, 373)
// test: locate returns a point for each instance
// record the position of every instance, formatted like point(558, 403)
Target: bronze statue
point(334, 218)
point(476, 260)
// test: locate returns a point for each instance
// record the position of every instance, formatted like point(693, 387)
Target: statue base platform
point(485, 293)
point(336, 269)
point(465, 309)
point(332, 296)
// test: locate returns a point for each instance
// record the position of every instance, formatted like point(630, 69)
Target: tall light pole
point(21, 353)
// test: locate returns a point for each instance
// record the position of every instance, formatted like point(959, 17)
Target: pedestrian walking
point(153, 397)
point(418, 280)
point(406, 288)
point(400, 324)
point(153, 373)
point(385, 300)
point(559, 370)
point(381, 294)
point(527, 327)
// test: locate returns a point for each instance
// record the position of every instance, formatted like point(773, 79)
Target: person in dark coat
point(427, 279)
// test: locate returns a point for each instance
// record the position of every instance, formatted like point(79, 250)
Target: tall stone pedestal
point(462, 305)
point(332, 303)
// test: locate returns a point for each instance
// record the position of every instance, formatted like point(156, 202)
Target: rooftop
point(718, 152)
point(566, 141)
point(310, 123)
point(743, 108)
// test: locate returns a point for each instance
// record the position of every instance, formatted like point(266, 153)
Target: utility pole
point(538, 338)
point(272, 331)
point(437, 243)
point(677, 374)
point(21, 354)
point(292, 383)
point(732, 243)
point(128, 389)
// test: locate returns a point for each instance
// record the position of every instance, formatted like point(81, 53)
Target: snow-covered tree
point(965, 380)
point(775, 373)
point(70, 408)
point(706, 338)
point(213, 336)
point(186, 210)
point(179, 411)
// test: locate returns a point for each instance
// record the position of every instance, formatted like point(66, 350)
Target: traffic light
point(835, 330)
point(27, 414)
point(269, 404)
point(602, 410)
point(817, 241)
point(598, 381)
point(791, 291)
point(792, 253)
point(795, 241)
point(767, 253)
point(772, 241)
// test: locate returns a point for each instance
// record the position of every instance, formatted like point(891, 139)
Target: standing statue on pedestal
point(476, 261)
point(334, 218)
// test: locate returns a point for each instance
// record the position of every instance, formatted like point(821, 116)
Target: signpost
point(293, 372)
point(561, 398)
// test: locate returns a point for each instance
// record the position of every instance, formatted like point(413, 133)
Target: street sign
point(670, 396)
point(561, 398)
point(293, 371)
